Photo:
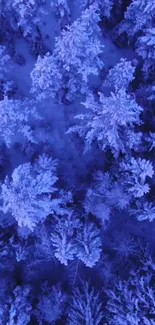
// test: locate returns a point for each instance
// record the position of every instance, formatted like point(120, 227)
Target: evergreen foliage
point(110, 122)
point(27, 196)
point(86, 307)
point(77, 210)
point(15, 116)
point(76, 55)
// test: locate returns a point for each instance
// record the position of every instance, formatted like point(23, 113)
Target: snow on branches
point(146, 48)
point(76, 55)
point(139, 15)
point(27, 196)
point(120, 76)
point(14, 119)
point(63, 239)
point(105, 6)
point(89, 244)
point(110, 122)
point(46, 77)
point(136, 171)
point(86, 307)
point(132, 301)
point(24, 14)
point(72, 239)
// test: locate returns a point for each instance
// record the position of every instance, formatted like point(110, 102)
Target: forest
point(77, 162)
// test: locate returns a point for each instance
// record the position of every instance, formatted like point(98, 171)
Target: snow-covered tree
point(132, 301)
point(14, 119)
point(71, 239)
point(89, 244)
point(139, 15)
point(43, 246)
point(138, 23)
point(20, 309)
point(63, 239)
point(150, 138)
point(95, 204)
point(79, 47)
point(6, 66)
point(86, 307)
point(51, 304)
point(120, 75)
point(145, 47)
point(46, 77)
point(135, 173)
point(144, 211)
point(4, 62)
point(105, 6)
point(24, 13)
point(105, 195)
point(124, 246)
point(110, 122)
point(76, 55)
point(27, 196)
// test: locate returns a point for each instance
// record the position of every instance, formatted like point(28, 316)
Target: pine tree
point(105, 6)
point(144, 211)
point(20, 310)
point(79, 46)
point(24, 14)
point(46, 77)
point(135, 173)
point(14, 119)
point(43, 246)
point(4, 62)
point(96, 204)
point(110, 122)
point(27, 196)
point(139, 15)
point(131, 301)
point(86, 307)
point(145, 48)
point(63, 239)
point(6, 66)
point(76, 55)
point(51, 304)
point(104, 196)
point(89, 244)
point(120, 76)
